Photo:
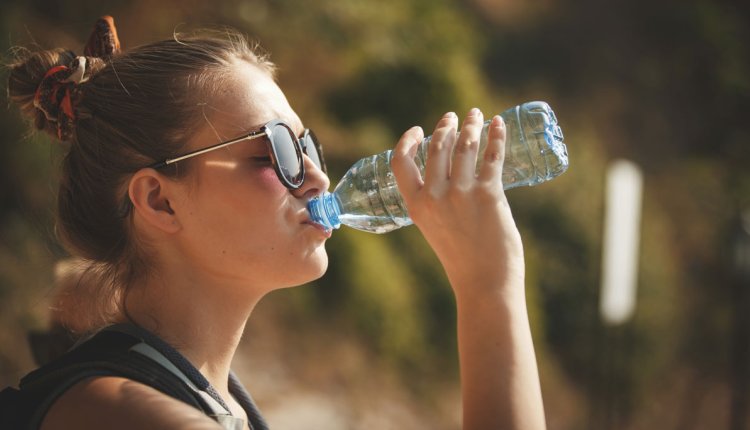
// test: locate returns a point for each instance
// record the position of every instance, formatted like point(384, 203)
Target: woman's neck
point(200, 317)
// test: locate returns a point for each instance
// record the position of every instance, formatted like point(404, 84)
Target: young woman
point(185, 188)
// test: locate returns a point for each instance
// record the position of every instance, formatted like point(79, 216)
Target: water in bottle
point(367, 197)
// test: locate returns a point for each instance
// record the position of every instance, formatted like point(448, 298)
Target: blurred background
point(664, 84)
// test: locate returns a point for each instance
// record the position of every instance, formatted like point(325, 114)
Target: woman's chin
point(319, 264)
point(313, 267)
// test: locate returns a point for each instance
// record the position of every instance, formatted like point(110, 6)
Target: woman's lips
point(326, 232)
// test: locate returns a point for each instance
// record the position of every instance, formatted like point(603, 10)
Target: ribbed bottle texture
point(367, 197)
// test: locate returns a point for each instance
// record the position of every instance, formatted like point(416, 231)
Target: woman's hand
point(467, 221)
point(463, 216)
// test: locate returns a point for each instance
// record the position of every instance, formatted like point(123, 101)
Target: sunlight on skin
point(229, 165)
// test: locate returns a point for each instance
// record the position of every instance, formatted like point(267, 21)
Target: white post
point(621, 241)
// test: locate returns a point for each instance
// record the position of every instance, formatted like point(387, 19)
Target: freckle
point(223, 251)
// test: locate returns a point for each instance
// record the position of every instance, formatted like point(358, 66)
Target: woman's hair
point(132, 109)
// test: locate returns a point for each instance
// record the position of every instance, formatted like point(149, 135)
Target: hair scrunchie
point(58, 93)
point(56, 96)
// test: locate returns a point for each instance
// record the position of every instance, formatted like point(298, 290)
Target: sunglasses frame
point(300, 147)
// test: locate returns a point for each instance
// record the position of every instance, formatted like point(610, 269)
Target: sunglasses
point(286, 151)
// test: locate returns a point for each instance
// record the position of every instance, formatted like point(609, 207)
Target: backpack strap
point(214, 407)
point(105, 354)
point(160, 351)
point(133, 353)
point(246, 401)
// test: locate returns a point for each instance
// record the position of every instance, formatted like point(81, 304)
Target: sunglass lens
point(313, 150)
point(288, 158)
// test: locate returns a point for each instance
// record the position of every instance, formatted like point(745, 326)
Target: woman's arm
point(467, 221)
point(117, 403)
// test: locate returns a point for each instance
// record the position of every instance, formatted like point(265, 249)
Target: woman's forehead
point(251, 99)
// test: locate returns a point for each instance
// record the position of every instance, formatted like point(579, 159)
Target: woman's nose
point(316, 181)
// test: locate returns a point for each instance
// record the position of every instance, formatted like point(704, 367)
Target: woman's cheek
point(267, 177)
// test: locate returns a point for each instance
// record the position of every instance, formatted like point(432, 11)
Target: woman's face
point(239, 223)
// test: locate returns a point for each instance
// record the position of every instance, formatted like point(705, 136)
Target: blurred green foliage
point(666, 84)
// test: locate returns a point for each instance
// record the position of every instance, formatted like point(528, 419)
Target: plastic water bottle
point(367, 197)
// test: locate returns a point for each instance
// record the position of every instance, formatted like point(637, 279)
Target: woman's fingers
point(404, 168)
point(437, 170)
point(451, 161)
point(494, 154)
point(465, 152)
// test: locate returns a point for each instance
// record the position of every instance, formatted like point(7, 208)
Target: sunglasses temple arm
point(169, 161)
point(159, 165)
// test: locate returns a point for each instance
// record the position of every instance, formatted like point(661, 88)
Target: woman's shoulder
point(120, 403)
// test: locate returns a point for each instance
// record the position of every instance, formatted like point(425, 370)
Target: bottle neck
point(325, 210)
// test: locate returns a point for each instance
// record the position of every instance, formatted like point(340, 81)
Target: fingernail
point(450, 115)
point(475, 112)
point(500, 121)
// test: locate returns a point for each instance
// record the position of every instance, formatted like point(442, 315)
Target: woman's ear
point(149, 191)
